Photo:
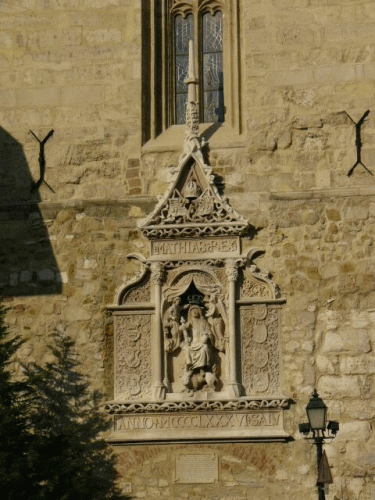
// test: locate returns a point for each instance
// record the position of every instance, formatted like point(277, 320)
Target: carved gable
point(193, 206)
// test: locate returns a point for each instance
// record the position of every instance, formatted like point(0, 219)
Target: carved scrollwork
point(182, 232)
point(209, 263)
point(114, 408)
point(260, 366)
point(203, 209)
point(138, 293)
point(256, 284)
point(133, 356)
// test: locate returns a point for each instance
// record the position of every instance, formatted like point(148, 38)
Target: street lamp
point(318, 431)
point(316, 413)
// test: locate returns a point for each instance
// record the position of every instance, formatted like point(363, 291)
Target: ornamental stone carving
point(260, 350)
point(196, 333)
point(132, 356)
point(139, 293)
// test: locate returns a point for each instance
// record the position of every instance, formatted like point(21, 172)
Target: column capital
point(231, 269)
point(157, 273)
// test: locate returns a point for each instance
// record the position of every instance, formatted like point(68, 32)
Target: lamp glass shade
point(316, 413)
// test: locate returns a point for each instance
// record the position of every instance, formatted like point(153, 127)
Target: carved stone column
point(231, 269)
point(157, 346)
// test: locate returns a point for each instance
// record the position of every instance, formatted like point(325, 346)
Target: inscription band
point(238, 420)
point(204, 246)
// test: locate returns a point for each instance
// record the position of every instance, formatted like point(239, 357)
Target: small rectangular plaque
point(197, 469)
point(219, 247)
point(126, 487)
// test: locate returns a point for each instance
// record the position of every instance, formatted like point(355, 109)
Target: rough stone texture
point(75, 66)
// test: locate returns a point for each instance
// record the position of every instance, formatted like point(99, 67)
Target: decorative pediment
point(193, 206)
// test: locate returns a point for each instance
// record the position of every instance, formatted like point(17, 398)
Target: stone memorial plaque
point(197, 469)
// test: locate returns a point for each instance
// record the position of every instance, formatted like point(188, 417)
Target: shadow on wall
point(27, 262)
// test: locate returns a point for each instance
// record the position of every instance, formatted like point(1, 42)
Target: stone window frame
point(158, 62)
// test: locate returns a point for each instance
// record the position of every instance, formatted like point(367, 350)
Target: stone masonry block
point(95, 37)
point(295, 77)
point(133, 163)
point(357, 431)
point(344, 32)
point(362, 456)
point(323, 179)
point(295, 35)
point(357, 365)
point(46, 96)
point(75, 313)
point(8, 98)
point(369, 70)
point(100, 4)
point(344, 386)
point(356, 340)
point(357, 213)
point(326, 74)
point(332, 343)
point(46, 275)
point(85, 94)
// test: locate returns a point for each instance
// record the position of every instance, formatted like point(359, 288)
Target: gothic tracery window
point(167, 27)
point(205, 28)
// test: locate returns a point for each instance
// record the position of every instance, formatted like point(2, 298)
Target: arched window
point(184, 32)
point(167, 27)
point(209, 53)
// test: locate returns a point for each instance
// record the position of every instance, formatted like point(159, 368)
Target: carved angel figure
point(215, 315)
point(171, 324)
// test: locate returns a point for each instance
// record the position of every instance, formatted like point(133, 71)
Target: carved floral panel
point(252, 287)
point(140, 292)
point(133, 356)
point(260, 350)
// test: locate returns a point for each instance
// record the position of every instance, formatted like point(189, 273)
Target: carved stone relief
point(139, 293)
point(196, 332)
point(260, 352)
point(133, 356)
point(253, 287)
point(194, 325)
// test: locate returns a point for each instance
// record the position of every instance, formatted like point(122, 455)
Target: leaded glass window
point(212, 62)
point(184, 31)
point(209, 41)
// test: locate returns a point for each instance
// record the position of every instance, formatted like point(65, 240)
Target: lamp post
point(318, 431)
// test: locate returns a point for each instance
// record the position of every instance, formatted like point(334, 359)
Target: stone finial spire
point(192, 107)
point(191, 80)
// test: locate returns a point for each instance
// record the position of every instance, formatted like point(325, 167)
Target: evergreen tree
point(70, 460)
point(14, 436)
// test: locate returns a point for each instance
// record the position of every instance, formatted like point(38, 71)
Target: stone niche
point(196, 332)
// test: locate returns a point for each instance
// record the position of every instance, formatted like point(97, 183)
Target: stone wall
point(75, 66)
